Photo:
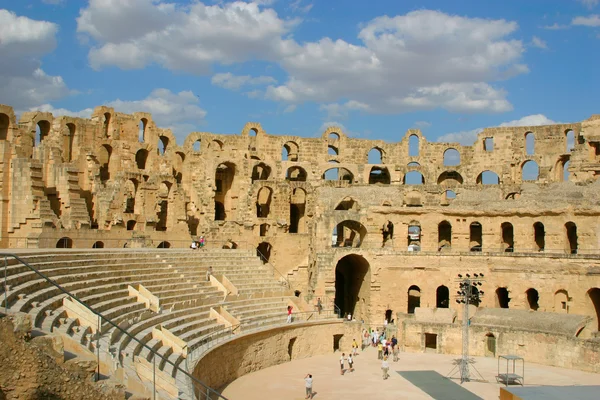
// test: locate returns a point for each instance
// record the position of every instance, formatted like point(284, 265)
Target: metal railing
point(284, 281)
point(198, 389)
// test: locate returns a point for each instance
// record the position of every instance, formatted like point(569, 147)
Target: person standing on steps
point(308, 382)
point(319, 305)
point(289, 315)
point(209, 273)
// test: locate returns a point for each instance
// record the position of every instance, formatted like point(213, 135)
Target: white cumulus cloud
point(23, 41)
point(235, 82)
point(590, 21)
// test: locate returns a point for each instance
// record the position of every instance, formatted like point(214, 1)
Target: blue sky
point(377, 68)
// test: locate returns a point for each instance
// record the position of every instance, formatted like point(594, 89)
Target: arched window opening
point(216, 146)
point(530, 171)
point(163, 144)
point(490, 345)
point(442, 297)
point(414, 178)
point(447, 197)
point(196, 146)
point(508, 239)
point(570, 140)
point(349, 234)
point(264, 229)
point(297, 210)
point(413, 164)
point(347, 203)
point(164, 245)
point(140, 158)
point(475, 236)
point(488, 144)
point(414, 298)
point(444, 236)
point(352, 286)
point(566, 173)
point(414, 236)
point(539, 236)
point(451, 158)
point(142, 130)
point(42, 130)
point(593, 296)
point(379, 175)
point(571, 236)
point(333, 136)
point(513, 196)
point(106, 126)
point(450, 179)
point(104, 155)
point(332, 151)
point(263, 251)
point(533, 299)
point(375, 156)
point(295, 174)
point(162, 209)
point(224, 182)
point(561, 301)
point(502, 298)
point(131, 224)
point(530, 143)
point(260, 172)
point(338, 174)
point(98, 245)
point(290, 152)
point(4, 125)
point(389, 316)
point(64, 243)
point(130, 191)
point(263, 202)
point(68, 142)
point(413, 146)
point(488, 178)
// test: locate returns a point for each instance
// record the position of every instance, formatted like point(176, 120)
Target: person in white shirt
point(342, 364)
point(385, 367)
point(350, 363)
point(308, 380)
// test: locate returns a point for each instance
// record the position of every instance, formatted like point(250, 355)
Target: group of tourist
point(198, 244)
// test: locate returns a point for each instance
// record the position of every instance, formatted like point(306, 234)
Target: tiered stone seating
point(101, 278)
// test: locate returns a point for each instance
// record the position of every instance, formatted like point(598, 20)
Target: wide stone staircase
point(161, 300)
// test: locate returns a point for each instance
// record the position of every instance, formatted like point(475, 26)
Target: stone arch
point(261, 172)
point(569, 140)
point(533, 299)
point(539, 236)
point(561, 301)
point(561, 169)
point(444, 235)
point(352, 286)
point(107, 125)
point(290, 151)
point(295, 174)
point(413, 146)
point(529, 143)
point(263, 202)
point(593, 298)
point(131, 224)
point(490, 345)
point(379, 175)
point(216, 146)
point(297, 211)
point(197, 146)
point(164, 245)
point(488, 178)
point(104, 154)
point(447, 197)
point(442, 297)
point(475, 236)
point(414, 298)
point(162, 207)
point(42, 130)
point(140, 158)
point(451, 157)
point(502, 298)
point(571, 243)
point(225, 202)
point(530, 171)
point(375, 156)
point(413, 178)
point(512, 196)
point(4, 126)
point(508, 237)
point(338, 174)
point(64, 243)
point(130, 194)
point(333, 136)
point(98, 245)
point(450, 179)
point(142, 130)
point(349, 233)
point(347, 203)
point(162, 145)
point(263, 251)
point(414, 236)
point(333, 151)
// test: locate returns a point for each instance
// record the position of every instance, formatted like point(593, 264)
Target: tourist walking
point(350, 363)
point(379, 351)
point(209, 273)
point(319, 305)
point(342, 364)
point(308, 382)
point(354, 347)
point(385, 367)
point(395, 352)
point(289, 315)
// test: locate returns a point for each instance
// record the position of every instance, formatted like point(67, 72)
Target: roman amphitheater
point(97, 217)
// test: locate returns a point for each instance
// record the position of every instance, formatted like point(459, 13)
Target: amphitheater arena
point(97, 217)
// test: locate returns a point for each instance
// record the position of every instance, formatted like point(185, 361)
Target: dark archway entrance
point(352, 281)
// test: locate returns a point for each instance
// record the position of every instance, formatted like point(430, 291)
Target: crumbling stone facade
point(521, 204)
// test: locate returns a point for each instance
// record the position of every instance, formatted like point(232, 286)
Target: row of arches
point(67, 243)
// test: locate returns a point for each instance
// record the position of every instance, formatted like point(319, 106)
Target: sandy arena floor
point(286, 381)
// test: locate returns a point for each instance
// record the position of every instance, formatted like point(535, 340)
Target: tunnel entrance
point(352, 281)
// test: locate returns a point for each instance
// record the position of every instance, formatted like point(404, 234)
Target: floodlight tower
point(468, 294)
